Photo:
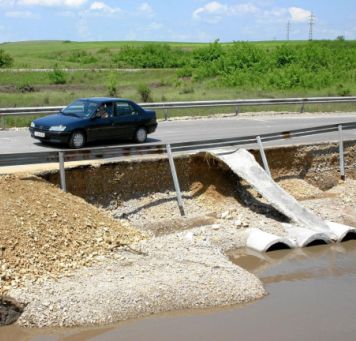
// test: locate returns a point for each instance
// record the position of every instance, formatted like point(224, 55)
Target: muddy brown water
point(312, 296)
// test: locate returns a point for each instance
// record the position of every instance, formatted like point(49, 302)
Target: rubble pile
point(45, 232)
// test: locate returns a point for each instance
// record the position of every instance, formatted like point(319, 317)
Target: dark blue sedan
point(94, 119)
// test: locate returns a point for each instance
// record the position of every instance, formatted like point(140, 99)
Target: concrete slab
point(245, 166)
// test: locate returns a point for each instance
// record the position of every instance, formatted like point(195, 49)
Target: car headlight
point(57, 128)
point(32, 125)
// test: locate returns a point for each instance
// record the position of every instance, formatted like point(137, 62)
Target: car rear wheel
point(141, 135)
point(77, 140)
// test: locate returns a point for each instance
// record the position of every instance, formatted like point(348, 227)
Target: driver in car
point(103, 111)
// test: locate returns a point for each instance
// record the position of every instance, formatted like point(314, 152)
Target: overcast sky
point(174, 20)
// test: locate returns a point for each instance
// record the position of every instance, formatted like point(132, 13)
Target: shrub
point(185, 72)
point(187, 90)
point(145, 93)
point(342, 91)
point(112, 85)
point(104, 50)
point(82, 57)
point(57, 77)
point(151, 56)
point(26, 87)
point(5, 59)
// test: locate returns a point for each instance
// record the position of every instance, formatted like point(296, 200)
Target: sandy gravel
point(45, 232)
point(179, 271)
point(183, 263)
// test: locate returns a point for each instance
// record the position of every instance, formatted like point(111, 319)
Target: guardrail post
point(62, 171)
point(302, 108)
point(341, 153)
point(175, 179)
point(166, 114)
point(3, 122)
point(263, 156)
point(237, 110)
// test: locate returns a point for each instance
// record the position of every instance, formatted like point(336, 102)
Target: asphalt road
point(13, 141)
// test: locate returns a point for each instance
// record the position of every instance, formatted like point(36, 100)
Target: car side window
point(124, 108)
point(105, 110)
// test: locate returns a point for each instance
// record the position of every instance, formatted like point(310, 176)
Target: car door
point(102, 127)
point(126, 119)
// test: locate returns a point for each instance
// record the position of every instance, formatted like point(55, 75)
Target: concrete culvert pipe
point(316, 242)
point(305, 237)
point(278, 246)
point(349, 236)
point(343, 232)
point(262, 241)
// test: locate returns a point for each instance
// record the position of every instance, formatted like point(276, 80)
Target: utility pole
point(288, 29)
point(311, 24)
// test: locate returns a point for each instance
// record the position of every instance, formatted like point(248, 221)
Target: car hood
point(57, 119)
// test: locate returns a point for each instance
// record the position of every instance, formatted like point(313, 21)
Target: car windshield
point(81, 108)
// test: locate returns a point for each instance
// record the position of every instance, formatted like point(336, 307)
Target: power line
point(288, 29)
point(311, 24)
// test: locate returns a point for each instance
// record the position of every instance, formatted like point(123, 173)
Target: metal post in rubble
point(175, 179)
point(263, 156)
point(62, 171)
point(341, 153)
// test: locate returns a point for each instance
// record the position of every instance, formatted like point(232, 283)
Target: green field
point(177, 71)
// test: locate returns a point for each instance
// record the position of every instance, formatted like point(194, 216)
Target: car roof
point(105, 99)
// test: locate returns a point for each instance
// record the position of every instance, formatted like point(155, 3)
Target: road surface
point(13, 141)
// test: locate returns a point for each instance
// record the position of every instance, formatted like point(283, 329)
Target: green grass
point(179, 72)
point(48, 54)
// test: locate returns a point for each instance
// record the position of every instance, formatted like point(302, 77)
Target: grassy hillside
point(177, 71)
point(46, 54)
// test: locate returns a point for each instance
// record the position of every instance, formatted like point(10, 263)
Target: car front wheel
point(77, 140)
point(141, 135)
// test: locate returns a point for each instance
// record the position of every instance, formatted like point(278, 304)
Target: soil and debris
point(133, 254)
point(45, 232)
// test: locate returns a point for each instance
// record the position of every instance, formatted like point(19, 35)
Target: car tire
point(141, 135)
point(77, 140)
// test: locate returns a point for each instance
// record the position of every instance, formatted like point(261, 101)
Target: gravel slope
point(45, 232)
point(179, 271)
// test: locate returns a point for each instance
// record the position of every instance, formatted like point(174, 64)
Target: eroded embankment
point(182, 264)
point(143, 194)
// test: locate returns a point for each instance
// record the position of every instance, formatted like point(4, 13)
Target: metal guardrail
point(182, 147)
point(98, 153)
point(193, 104)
